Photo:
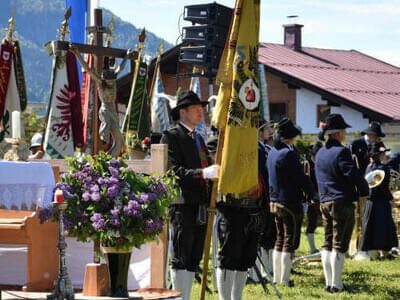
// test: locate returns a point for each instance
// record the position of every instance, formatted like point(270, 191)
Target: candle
point(58, 197)
point(16, 124)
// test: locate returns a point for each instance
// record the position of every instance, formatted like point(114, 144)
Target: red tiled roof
point(351, 75)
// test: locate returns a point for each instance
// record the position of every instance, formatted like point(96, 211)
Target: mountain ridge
point(37, 22)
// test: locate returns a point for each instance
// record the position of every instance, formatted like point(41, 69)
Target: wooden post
point(159, 250)
point(98, 64)
point(210, 221)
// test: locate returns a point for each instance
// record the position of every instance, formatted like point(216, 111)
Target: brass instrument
point(358, 212)
point(375, 178)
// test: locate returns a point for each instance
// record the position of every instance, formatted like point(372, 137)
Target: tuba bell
point(375, 178)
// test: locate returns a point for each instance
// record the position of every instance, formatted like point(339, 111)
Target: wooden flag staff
point(211, 215)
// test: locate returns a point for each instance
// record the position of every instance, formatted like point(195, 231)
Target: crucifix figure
point(107, 89)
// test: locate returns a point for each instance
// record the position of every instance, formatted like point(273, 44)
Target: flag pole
point(211, 215)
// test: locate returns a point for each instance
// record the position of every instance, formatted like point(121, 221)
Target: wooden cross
point(99, 53)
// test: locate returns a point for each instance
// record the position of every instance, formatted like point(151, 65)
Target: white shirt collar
point(184, 125)
point(366, 139)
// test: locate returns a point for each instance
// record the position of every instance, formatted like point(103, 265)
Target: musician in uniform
point(337, 178)
point(287, 182)
point(188, 158)
point(378, 230)
point(360, 147)
point(240, 223)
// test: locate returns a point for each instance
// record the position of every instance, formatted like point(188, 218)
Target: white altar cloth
point(13, 264)
point(29, 183)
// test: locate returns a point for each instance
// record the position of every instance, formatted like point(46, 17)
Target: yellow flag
point(238, 101)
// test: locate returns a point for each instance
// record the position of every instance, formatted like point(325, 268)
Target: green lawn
point(379, 280)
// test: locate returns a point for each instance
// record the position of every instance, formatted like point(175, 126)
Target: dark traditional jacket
point(382, 191)
point(184, 160)
point(359, 148)
point(337, 176)
point(287, 180)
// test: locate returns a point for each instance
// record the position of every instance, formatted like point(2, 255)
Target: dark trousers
point(187, 237)
point(268, 236)
point(338, 220)
point(238, 236)
point(288, 227)
point(313, 212)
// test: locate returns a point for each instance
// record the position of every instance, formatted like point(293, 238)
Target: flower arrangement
point(109, 202)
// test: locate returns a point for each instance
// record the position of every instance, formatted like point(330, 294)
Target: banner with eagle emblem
point(64, 121)
point(237, 107)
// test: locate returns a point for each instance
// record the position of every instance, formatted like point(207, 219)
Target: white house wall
point(306, 112)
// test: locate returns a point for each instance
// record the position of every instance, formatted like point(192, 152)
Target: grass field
point(377, 280)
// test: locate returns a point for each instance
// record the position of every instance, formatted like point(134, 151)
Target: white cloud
point(388, 56)
point(384, 8)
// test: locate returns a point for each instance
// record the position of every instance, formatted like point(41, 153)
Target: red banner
point(5, 71)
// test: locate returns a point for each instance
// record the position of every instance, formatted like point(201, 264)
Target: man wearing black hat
point(337, 178)
point(360, 147)
point(188, 158)
point(287, 182)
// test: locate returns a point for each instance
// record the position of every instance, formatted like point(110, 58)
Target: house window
point(277, 111)
point(322, 112)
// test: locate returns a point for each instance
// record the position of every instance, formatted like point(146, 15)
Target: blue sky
point(372, 27)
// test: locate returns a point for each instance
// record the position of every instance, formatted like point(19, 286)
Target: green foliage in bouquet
point(109, 202)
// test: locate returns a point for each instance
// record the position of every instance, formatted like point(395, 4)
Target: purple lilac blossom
point(94, 188)
point(112, 191)
point(115, 221)
point(95, 196)
point(144, 198)
point(86, 196)
point(113, 171)
point(115, 212)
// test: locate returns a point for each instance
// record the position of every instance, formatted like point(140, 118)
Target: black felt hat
point(185, 99)
point(287, 130)
point(333, 123)
point(374, 128)
point(378, 148)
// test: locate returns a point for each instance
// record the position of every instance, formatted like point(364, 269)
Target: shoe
point(290, 284)
point(345, 288)
point(294, 272)
point(362, 255)
point(328, 289)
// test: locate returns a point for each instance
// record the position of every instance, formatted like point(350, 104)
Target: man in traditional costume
point(287, 182)
point(337, 178)
point(189, 159)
